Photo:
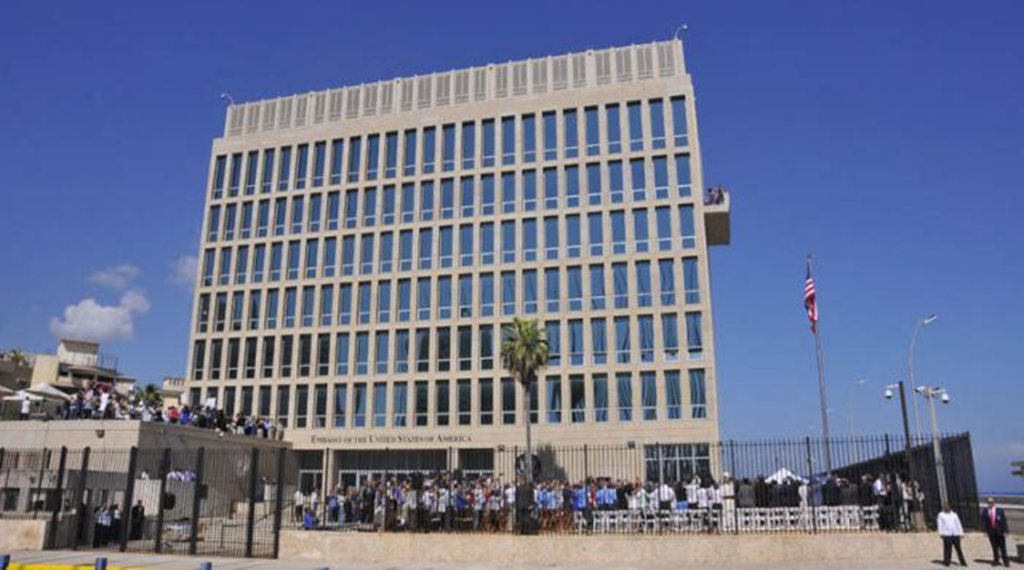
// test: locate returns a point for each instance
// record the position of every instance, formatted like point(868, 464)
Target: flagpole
point(825, 432)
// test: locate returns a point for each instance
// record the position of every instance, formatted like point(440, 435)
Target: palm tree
point(17, 356)
point(525, 351)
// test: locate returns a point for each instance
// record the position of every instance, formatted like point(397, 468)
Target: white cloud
point(118, 277)
point(89, 320)
point(183, 271)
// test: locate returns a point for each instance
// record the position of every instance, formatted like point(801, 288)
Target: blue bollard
point(206, 566)
point(101, 564)
point(5, 561)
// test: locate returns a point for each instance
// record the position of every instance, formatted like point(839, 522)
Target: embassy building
point(363, 246)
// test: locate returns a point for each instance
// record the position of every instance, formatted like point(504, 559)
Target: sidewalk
point(187, 563)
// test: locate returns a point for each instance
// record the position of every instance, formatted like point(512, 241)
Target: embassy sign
point(383, 439)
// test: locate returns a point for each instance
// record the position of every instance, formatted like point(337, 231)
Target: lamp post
point(906, 442)
point(923, 322)
point(931, 394)
point(853, 393)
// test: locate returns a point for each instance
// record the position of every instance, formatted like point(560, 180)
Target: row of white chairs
point(756, 520)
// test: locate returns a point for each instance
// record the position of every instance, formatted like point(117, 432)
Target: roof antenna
point(227, 97)
point(682, 28)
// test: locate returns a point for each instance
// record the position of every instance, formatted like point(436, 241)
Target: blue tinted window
point(391, 155)
point(302, 166)
point(529, 138)
point(679, 131)
point(372, 156)
point(429, 149)
point(572, 135)
point(410, 152)
point(468, 144)
point(448, 148)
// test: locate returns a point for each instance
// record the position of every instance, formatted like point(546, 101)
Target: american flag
point(811, 298)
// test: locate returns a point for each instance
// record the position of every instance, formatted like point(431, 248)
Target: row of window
point(527, 240)
point(408, 204)
point(503, 141)
point(570, 290)
point(576, 399)
point(443, 349)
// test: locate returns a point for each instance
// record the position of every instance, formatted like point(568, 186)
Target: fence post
point(810, 488)
point(197, 490)
point(80, 507)
point(44, 460)
point(51, 539)
point(586, 463)
point(129, 497)
point(165, 466)
point(279, 499)
point(735, 487)
point(250, 522)
point(661, 469)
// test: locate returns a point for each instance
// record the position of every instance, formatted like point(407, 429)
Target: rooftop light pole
point(921, 323)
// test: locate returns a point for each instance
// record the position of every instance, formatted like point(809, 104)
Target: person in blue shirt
point(308, 520)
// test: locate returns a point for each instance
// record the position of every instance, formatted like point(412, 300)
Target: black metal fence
point(234, 502)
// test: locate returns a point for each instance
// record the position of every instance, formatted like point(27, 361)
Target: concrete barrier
point(616, 550)
point(22, 534)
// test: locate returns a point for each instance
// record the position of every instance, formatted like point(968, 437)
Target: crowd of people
point(445, 503)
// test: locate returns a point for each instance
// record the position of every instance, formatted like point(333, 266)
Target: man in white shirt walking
point(950, 530)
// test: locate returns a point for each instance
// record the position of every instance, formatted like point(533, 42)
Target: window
point(600, 382)
point(408, 203)
point(388, 217)
point(698, 395)
point(486, 347)
point(508, 140)
point(597, 290)
point(576, 342)
point(620, 280)
point(341, 354)
point(362, 353)
point(312, 257)
point(426, 201)
point(649, 396)
point(319, 150)
point(246, 232)
point(301, 166)
point(447, 199)
point(284, 169)
point(337, 156)
point(487, 195)
point(594, 183)
point(660, 177)
point(271, 313)
point(530, 291)
point(242, 264)
point(657, 116)
point(663, 217)
point(670, 337)
point(444, 297)
point(387, 252)
point(550, 135)
point(263, 219)
point(643, 283)
point(572, 135)
point(421, 403)
point(466, 196)
point(488, 144)
point(446, 246)
point(410, 153)
point(405, 250)
point(554, 397)
point(442, 403)
point(355, 148)
point(287, 356)
point(218, 176)
point(487, 295)
point(599, 340)
point(679, 136)
point(595, 224)
point(401, 352)
point(448, 148)
point(552, 290)
point(530, 238)
point(694, 336)
point(646, 323)
point(486, 406)
point(381, 354)
point(333, 210)
point(422, 350)
point(369, 207)
point(216, 357)
point(384, 302)
point(691, 281)
point(323, 355)
point(229, 222)
point(575, 288)
point(550, 237)
point(465, 396)
point(297, 214)
point(426, 248)
point(351, 208)
point(259, 254)
point(400, 391)
point(468, 144)
point(465, 296)
point(345, 304)
point(683, 187)
point(638, 179)
point(236, 174)
point(636, 129)
point(283, 404)
point(366, 254)
point(572, 187)
point(423, 298)
point(237, 308)
point(340, 404)
point(391, 155)
point(372, 156)
point(268, 171)
point(508, 241)
point(618, 232)
point(404, 300)
point(319, 406)
point(625, 393)
point(622, 345)
point(614, 126)
point(616, 185)
point(688, 231)
point(551, 188)
point(641, 231)
point(667, 282)
point(508, 401)
point(289, 307)
point(308, 306)
point(529, 138)
point(508, 192)
point(348, 255)
point(487, 243)
point(280, 216)
point(593, 131)
point(508, 293)
point(198, 358)
point(529, 190)
point(359, 405)
point(429, 149)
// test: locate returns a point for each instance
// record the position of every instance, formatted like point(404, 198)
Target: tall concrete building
point(363, 246)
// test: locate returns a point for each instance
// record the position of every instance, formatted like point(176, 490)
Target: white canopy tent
point(783, 475)
point(47, 392)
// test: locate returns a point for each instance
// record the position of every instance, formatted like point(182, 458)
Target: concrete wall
point(119, 434)
point(22, 535)
point(633, 551)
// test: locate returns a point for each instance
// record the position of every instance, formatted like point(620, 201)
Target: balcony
point(716, 216)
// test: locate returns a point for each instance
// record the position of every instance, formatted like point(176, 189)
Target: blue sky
point(883, 137)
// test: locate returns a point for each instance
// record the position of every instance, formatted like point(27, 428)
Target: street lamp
point(853, 390)
point(940, 470)
point(923, 322)
point(906, 442)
